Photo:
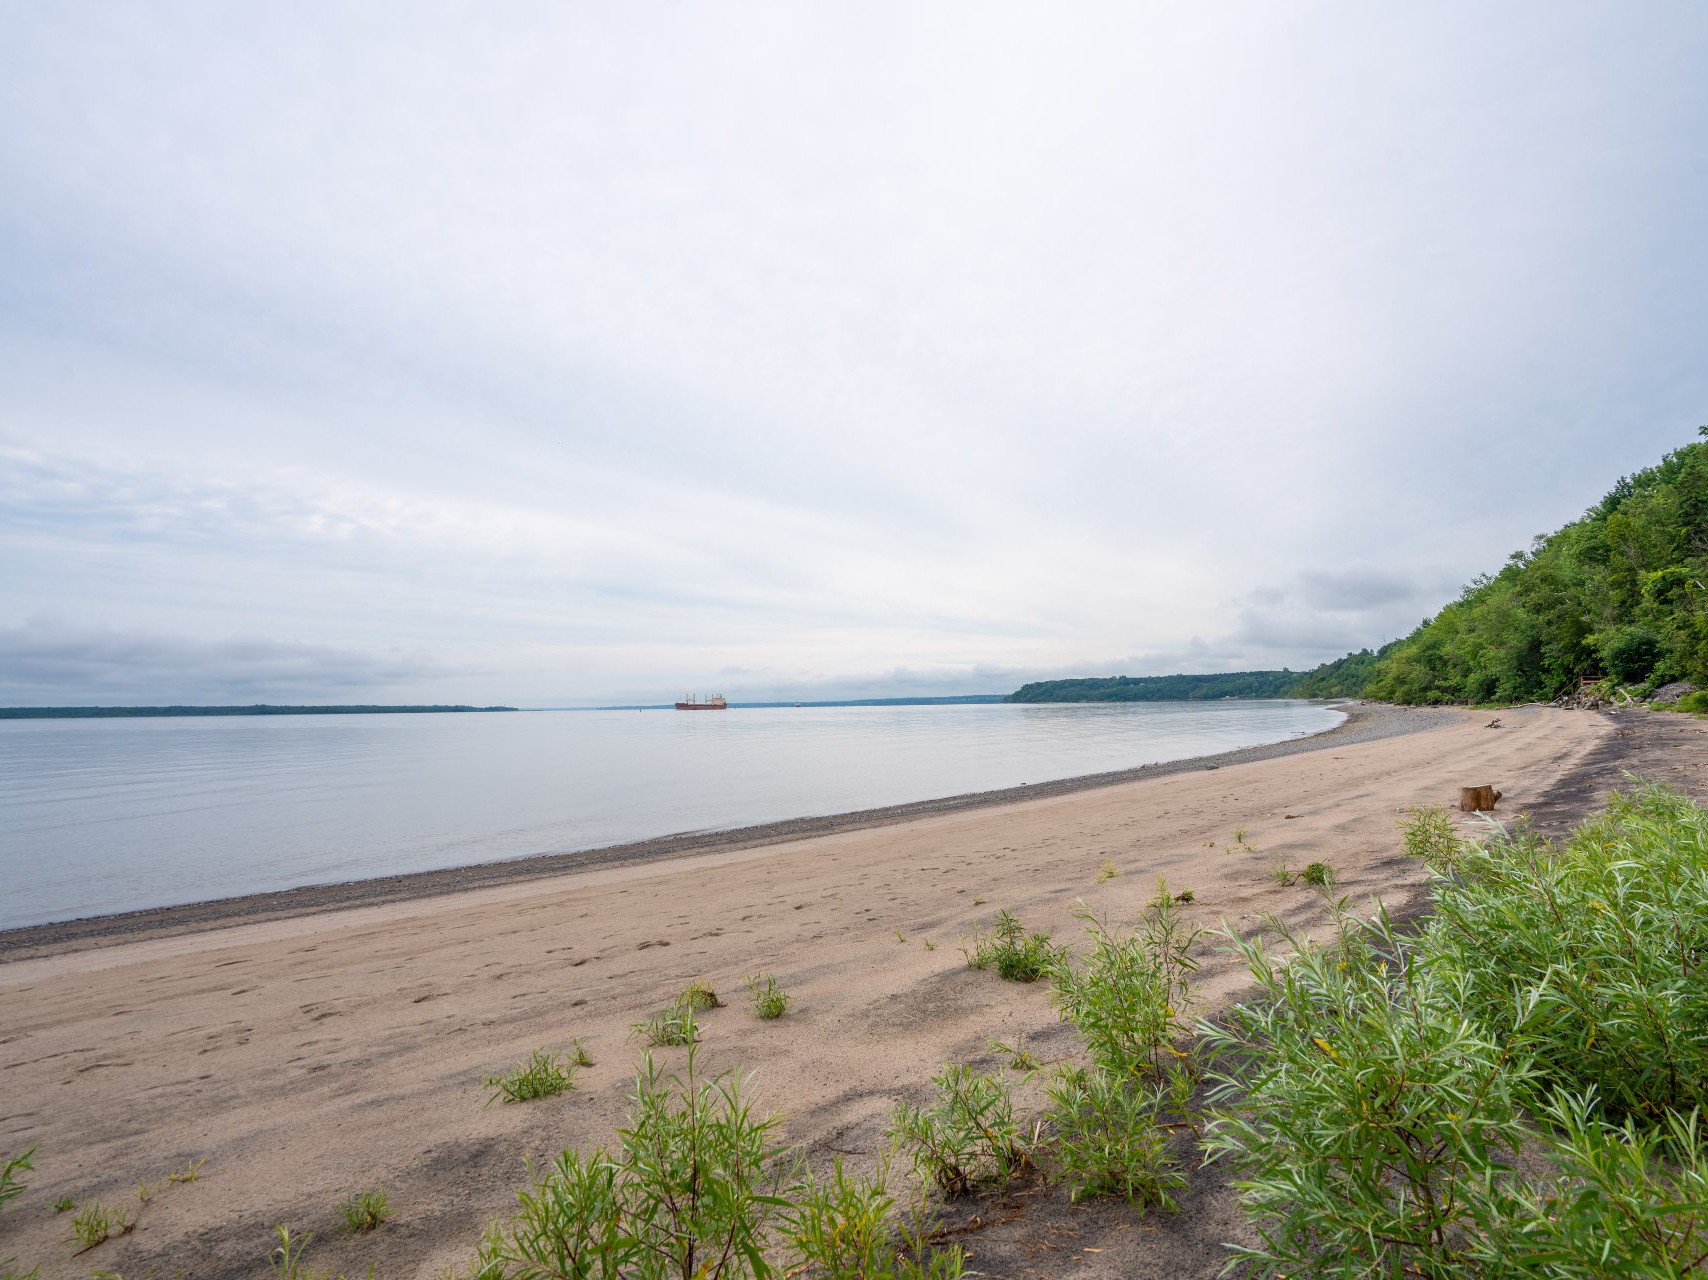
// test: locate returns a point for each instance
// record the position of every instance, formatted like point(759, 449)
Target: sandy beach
point(314, 1052)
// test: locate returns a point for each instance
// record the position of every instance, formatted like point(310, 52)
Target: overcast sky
point(556, 354)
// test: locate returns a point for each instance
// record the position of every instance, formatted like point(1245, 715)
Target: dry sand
point(312, 1056)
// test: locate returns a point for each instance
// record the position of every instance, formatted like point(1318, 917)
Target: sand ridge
point(314, 1057)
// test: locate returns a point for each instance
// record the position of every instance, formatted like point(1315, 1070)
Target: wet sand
point(309, 1053)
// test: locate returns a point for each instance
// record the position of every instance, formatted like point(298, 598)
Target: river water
point(98, 816)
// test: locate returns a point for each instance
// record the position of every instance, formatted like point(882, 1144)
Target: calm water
point(110, 815)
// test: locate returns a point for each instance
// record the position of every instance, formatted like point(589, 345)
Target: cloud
point(44, 659)
point(553, 348)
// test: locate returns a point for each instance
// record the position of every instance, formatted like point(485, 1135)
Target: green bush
point(1127, 996)
point(542, 1074)
point(968, 1134)
point(839, 1228)
point(1370, 1122)
point(1694, 701)
point(1590, 955)
point(1016, 955)
point(1631, 653)
point(1108, 1138)
point(692, 1192)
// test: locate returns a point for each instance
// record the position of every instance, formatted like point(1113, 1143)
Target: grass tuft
point(96, 1223)
point(769, 1000)
point(542, 1075)
point(1016, 955)
point(364, 1211)
point(669, 1027)
point(698, 995)
point(1108, 871)
point(189, 1173)
point(11, 1184)
point(1319, 875)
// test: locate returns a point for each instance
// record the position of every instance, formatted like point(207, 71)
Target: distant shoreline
point(1364, 723)
point(257, 709)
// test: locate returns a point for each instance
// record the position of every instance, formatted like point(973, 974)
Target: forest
point(1618, 595)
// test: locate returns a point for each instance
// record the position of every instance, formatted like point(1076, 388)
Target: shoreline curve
point(1365, 722)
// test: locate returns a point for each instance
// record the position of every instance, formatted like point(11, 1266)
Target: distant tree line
point(1227, 684)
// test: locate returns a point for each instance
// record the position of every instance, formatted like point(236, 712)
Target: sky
point(558, 354)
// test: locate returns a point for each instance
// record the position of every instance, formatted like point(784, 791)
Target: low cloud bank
point(47, 662)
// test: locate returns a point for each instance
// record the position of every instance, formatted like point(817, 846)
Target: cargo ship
point(696, 703)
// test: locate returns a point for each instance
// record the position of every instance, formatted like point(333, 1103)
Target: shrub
point(1697, 701)
point(542, 1075)
point(692, 1192)
point(1431, 837)
point(1127, 997)
point(364, 1211)
point(769, 1000)
point(1630, 653)
point(1372, 1123)
point(1108, 1137)
point(1627, 1203)
point(1016, 955)
point(839, 1229)
point(967, 1135)
point(1589, 955)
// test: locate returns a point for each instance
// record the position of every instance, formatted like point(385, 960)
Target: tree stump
point(1478, 799)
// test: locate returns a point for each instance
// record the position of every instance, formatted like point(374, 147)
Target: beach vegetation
point(95, 1223)
point(286, 1258)
point(365, 1211)
point(1020, 1058)
point(1016, 955)
point(64, 1204)
point(1283, 875)
point(1128, 994)
point(979, 899)
point(1319, 875)
point(969, 1133)
point(928, 944)
point(694, 1190)
point(842, 1227)
point(769, 1000)
point(189, 1173)
point(1108, 871)
point(1108, 1138)
point(12, 1173)
point(542, 1074)
point(669, 1027)
point(9, 1271)
point(1513, 1089)
point(699, 995)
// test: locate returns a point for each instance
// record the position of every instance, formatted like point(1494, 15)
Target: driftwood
point(1478, 799)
